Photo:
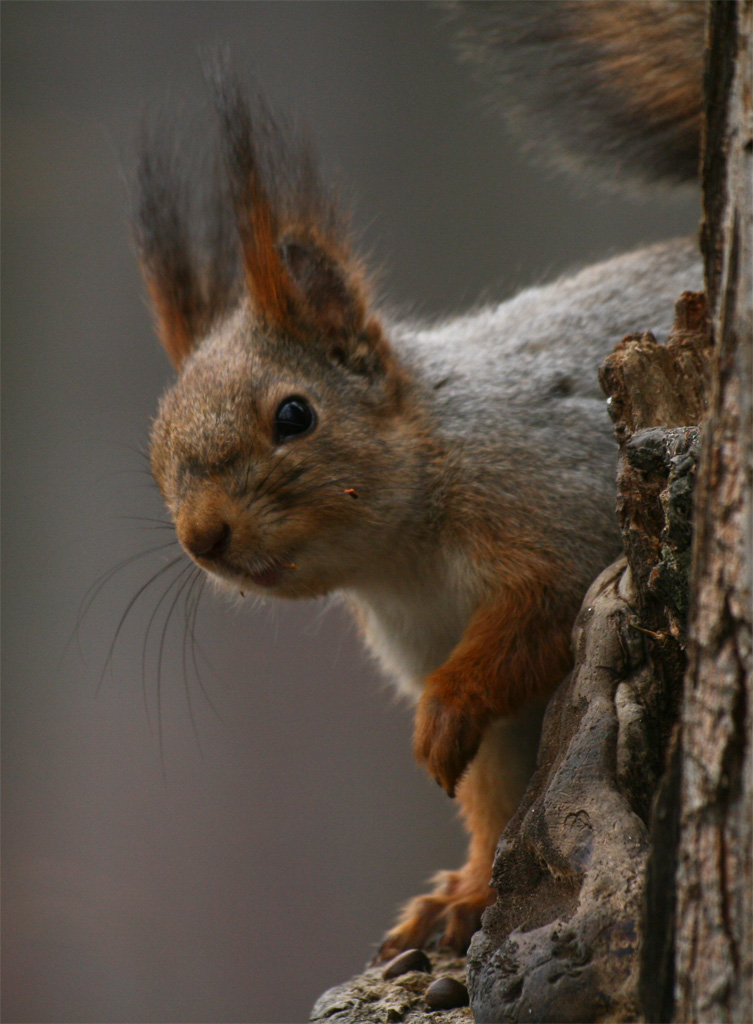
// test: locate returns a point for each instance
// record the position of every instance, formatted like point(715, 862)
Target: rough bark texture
point(714, 931)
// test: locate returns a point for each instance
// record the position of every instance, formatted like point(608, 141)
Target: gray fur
point(513, 389)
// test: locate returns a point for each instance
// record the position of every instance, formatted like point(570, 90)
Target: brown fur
point(488, 795)
point(608, 89)
point(638, 59)
point(515, 648)
point(174, 327)
point(267, 282)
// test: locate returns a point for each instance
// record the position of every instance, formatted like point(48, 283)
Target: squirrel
point(454, 481)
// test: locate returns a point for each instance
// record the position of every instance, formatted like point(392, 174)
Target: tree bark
point(714, 923)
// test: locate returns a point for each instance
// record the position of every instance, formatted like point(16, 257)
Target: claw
point(446, 740)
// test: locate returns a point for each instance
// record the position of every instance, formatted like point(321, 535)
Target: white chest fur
point(413, 625)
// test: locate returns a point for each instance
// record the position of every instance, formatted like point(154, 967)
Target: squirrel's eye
point(294, 417)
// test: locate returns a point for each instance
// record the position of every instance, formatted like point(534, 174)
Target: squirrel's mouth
point(264, 574)
point(272, 573)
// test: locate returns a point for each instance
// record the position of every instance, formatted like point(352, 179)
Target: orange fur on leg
point(488, 796)
point(515, 648)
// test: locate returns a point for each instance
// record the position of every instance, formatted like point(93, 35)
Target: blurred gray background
point(233, 868)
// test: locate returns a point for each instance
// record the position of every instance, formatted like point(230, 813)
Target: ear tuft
point(160, 228)
point(299, 273)
point(294, 251)
point(188, 258)
point(254, 173)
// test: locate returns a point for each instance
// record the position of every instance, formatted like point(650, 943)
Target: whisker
point(293, 474)
point(195, 576)
point(147, 632)
point(99, 584)
point(260, 484)
point(132, 449)
point(298, 495)
point(155, 527)
point(145, 586)
point(132, 471)
point(196, 646)
point(187, 573)
point(147, 519)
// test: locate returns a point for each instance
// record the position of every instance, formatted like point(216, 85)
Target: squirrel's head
point(287, 436)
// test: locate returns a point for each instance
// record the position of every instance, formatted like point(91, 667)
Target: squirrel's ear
point(188, 254)
point(327, 295)
point(160, 227)
point(172, 302)
point(329, 307)
point(254, 194)
point(299, 272)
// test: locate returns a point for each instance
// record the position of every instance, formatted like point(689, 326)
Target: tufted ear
point(295, 257)
point(327, 296)
point(300, 273)
point(159, 220)
point(189, 284)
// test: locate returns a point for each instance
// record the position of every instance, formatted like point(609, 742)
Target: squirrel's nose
point(207, 538)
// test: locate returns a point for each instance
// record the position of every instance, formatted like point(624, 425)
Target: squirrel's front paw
point(446, 738)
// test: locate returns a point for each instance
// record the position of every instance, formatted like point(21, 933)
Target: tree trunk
point(714, 922)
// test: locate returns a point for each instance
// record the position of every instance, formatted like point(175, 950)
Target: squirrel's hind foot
point(445, 918)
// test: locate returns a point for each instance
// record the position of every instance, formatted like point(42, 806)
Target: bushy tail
point(608, 89)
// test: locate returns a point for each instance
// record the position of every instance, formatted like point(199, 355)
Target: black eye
point(294, 417)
